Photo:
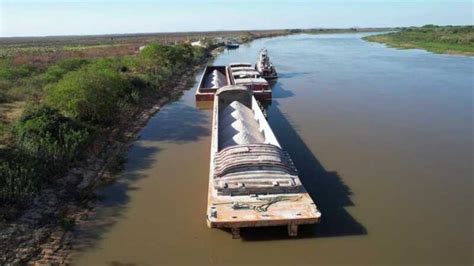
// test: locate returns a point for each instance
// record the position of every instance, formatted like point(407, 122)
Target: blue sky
point(62, 17)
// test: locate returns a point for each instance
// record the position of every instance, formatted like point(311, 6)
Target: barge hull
point(237, 211)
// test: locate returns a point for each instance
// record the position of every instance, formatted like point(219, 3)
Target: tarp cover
point(238, 126)
point(215, 80)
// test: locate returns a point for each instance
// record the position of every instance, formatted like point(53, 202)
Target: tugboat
point(264, 66)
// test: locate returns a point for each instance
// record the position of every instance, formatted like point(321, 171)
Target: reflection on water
point(382, 139)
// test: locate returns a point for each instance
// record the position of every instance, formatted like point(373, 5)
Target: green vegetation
point(58, 70)
point(70, 103)
point(438, 39)
point(92, 94)
point(43, 134)
point(18, 183)
point(13, 73)
point(46, 143)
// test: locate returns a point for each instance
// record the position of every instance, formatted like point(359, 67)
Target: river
point(382, 139)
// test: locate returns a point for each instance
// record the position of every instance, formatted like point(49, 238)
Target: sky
point(76, 17)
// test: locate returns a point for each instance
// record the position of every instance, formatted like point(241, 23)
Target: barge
point(252, 180)
point(213, 78)
point(246, 75)
point(265, 67)
point(216, 77)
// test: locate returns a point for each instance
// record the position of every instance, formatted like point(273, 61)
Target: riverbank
point(71, 105)
point(43, 232)
point(438, 39)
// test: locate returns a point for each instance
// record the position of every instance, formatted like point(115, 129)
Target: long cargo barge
point(252, 180)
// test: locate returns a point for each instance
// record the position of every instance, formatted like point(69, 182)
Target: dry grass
point(47, 50)
point(42, 57)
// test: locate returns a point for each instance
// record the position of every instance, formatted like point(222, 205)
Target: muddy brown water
point(383, 142)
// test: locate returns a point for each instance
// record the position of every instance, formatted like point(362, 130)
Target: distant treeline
point(74, 102)
point(438, 39)
point(108, 39)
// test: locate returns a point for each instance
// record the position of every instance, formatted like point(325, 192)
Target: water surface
point(383, 142)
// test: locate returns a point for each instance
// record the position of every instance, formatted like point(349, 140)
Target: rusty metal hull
point(206, 93)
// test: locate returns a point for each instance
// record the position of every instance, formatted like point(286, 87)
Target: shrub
point(46, 143)
point(155, 53)
point(52, 140)
point(18, 183)
point(172, 56)
point(159, 63)
point(3, 96)
point(71, 63)
point(180, 54)
point(58, 70)
point(92, 94)
point(200, 54)
point(11, 72)
point(129, 63)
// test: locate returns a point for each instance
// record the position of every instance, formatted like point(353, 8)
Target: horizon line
point(210, 31)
